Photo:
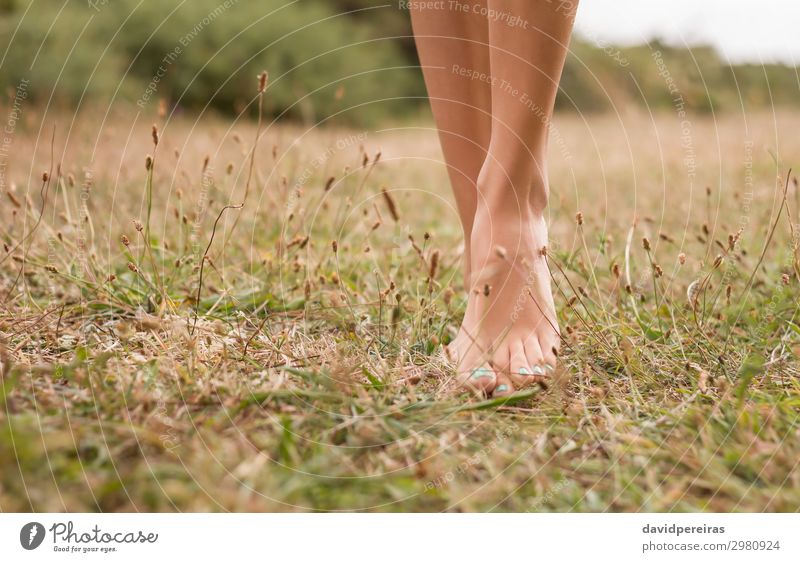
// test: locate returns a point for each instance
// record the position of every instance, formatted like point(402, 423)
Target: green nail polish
point(501, 388)
point(481, 373)
point(524, 371)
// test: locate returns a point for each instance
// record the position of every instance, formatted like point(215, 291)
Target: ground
point(307, 375)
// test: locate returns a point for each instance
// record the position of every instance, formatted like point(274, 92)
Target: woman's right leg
point(514, 318)
point(454, 53)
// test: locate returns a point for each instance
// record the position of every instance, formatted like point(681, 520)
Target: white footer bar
point(355, 537)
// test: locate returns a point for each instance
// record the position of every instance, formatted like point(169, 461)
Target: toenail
point(524, 371)
point(481, 373)
point(501, 388)
point(537, 370)
point(549, 368)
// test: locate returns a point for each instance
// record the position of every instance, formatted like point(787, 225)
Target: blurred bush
point(350, 61)
point(660, 77)
point(322, 61)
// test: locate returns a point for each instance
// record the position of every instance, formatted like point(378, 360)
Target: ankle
point(506, 229)
point(522, 195)
point(507, 215)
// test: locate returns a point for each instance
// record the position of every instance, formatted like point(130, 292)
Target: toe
point(481, 379)
point(504, 387)
point(520, 369)
point(536, 366)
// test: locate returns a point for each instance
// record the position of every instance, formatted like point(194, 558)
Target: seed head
point(448, 295)
point(646, 244)
point(392, 206)
point(262, 81)
point(155, 135)
point(733, 239)
point(14, 200)
point(682, 258)
point(434, 265)
point(125, 241)
point(579, 218)
point(692, 292)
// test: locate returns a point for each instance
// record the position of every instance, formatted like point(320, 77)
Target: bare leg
point(510, 318)
point(454, 52)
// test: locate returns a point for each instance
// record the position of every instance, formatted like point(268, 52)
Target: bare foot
point(509, 337)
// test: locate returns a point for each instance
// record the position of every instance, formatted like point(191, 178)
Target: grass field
point(163, 352)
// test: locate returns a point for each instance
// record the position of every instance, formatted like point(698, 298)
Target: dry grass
point(306, 376)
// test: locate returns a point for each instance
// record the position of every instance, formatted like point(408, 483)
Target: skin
point(492, 83)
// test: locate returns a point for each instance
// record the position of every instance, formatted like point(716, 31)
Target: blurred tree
point(208, 52)
point(351, 61)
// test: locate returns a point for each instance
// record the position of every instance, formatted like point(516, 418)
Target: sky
point(741, 30)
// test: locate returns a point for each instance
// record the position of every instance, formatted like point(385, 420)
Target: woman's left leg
point(510, 316)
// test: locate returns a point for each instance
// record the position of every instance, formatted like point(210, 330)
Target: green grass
point(309, 379)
